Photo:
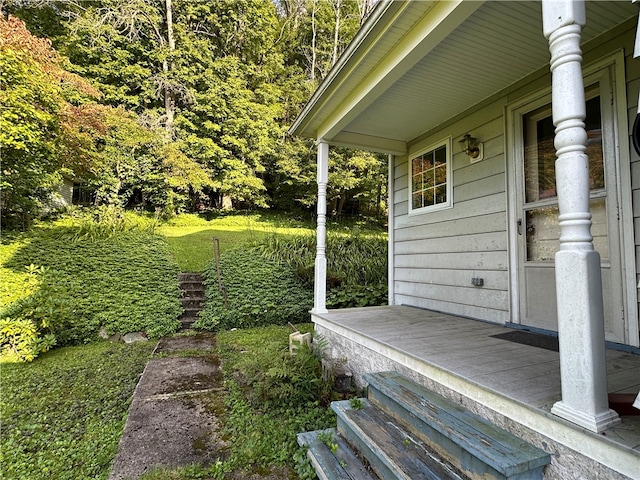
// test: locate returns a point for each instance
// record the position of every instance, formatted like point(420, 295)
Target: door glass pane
point(540, 155)
point(543, 231)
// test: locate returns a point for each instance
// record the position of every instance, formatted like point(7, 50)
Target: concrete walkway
point(172, 421)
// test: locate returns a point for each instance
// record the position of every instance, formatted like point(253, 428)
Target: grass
point(190, 236)
point(62, 416)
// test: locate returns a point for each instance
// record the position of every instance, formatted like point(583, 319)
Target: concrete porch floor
point(521, 382)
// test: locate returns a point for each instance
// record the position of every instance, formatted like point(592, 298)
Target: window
point(431, 178)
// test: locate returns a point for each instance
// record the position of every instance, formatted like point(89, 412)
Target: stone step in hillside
point(405, 431)
point(193, 297)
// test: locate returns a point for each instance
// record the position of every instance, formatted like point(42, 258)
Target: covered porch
point(511, 384)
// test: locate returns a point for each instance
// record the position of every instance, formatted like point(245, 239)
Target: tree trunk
point(336, 32)
point(314, 35)
point(167, 66)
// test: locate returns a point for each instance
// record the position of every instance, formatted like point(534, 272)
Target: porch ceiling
point(416, 65)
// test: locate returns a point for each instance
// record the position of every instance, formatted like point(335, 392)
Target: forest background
point(172, 105)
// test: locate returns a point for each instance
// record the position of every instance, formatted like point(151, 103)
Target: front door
point(537, 208)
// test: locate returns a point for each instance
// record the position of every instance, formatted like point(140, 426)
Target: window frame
point(445, 142)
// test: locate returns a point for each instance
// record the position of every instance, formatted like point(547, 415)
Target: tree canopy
point(172, 104)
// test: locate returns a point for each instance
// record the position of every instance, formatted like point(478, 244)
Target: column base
point(595, 423)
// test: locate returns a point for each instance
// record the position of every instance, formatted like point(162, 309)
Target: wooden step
point(335, 462)
point(390, 448)
point(471, 443)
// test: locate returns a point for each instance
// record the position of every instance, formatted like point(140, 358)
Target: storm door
point(537, 224)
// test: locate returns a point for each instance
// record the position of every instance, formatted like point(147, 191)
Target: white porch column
point(577, 264)
point(320, 278)
point(391, 229)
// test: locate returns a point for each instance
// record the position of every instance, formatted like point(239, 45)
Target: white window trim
point(446, 142)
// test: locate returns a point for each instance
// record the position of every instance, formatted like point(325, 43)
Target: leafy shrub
point(345, 296)
point(257, 291)
point(20, 340)
point(124, 281)
point(271, 396)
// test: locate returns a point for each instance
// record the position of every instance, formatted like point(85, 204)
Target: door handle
point(519, 226)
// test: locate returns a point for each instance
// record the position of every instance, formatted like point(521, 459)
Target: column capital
point(560, 13)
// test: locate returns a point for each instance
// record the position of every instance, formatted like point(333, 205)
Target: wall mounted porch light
point(472, 148)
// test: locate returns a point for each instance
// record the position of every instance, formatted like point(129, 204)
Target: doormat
point(532, 339)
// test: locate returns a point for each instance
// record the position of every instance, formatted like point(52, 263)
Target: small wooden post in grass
point(221, 287)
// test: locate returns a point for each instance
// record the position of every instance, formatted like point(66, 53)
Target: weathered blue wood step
point(339, 463)
point(392, 452)
point(470, 442)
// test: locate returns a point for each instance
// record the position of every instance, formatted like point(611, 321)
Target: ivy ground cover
point(63, 414)
point(67, 280)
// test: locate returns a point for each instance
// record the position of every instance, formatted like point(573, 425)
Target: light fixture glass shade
point(468, 144)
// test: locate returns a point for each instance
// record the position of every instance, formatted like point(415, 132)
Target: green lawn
point(190, 237)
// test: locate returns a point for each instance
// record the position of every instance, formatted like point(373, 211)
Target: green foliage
point(20, 340)
point(264, 432)
point(356, 403)
point(327, 438)
point(356, 265)
point(114, 276)
point(255, 292)
point(62, 416)
point(198, 110)
point(303, 467)
point(345, 296)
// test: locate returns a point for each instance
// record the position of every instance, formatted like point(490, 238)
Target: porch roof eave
point(417, 65)
point(383, 51)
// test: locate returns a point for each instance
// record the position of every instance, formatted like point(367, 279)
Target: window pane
point(441, 175)
point(540, 155)
point(543, 231)
point(440, 156)
point(416, 166)
point(594, 144)
point(441, 194)
point(416, 200)
point(428, 197)
point(417, 183)
point(428, 179)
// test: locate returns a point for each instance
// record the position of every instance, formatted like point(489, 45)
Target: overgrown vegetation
point(272, 281)
point(81, 274)
point(62, 416)
point(251, 291)
point(356, 264)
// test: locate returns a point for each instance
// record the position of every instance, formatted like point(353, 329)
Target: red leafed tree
point(45, 120)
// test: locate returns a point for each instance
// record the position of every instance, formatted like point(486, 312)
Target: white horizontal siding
point(493, 280)
point(632, 70)
point(438, 253)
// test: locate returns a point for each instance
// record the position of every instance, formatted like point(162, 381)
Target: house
point(514, 202)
